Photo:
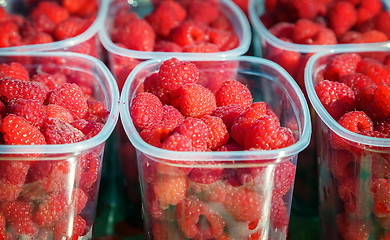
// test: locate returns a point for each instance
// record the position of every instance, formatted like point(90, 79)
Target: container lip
point(263, 32)
point(66, 43)
point(321, 111)
point(243, 47)
point(101, 137)
point(275, 155)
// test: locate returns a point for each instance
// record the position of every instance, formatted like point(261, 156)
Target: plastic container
point(54, 187)
point(86, 42)
point(267, 82)
point(350, 188)
point(122, 60)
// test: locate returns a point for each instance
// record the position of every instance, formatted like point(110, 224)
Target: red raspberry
point(203, 11)
point(56, 111)
point(51, 210)
point(230, 146)
point(336, 97)
point(383, 127)
point(348, 191)
point(166, 16)
point(14, 171)
point(299, 9)
point(203, 47)
point(166, 46)
point(218, 135)
point(206, 175)
point(97, 108)
point(228, 114)
point(89, 170)
point(342, 17)
point(62, 228)
point(136, 35)
point(71, 97)
point(382, 23)
point(304, 31)
point(146, 110)
point(177, 142)
point(59, 132)
point(155, 135)
point(357, 82)
point(10, 36)
point(380, 190)
point(196, 100)
point(187, 33)
point(279, 215)
point(2, 226)
point(382, 98)
point(19, 217)
point(375, 70)
point(325, 36)
point(284, 177)
point(18, 131)
point(80, 199)
point(371, 36)
point(265, 134)
point(233, 92)
point(286, 31)
point(188, 216)
point(39, 38)
point(54, 11)
point(81, 8)
point(173, 74)
point(89, 128)
point(124, 16)
point(341, 65)
point(32, 110)
point(224, 39)
point(197, 131)
point(170, 189)
point(14, 70)
point(352, 228)
point(171, 117)
point(9, 192)
point(340, 163)
point(12, 89)
point(40, 23)
point(70, 27)
point(367, 10)
point(51, 81)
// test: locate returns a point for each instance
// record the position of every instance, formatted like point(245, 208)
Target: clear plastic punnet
point(49, 190)
point(234, 194)
point(353, 162)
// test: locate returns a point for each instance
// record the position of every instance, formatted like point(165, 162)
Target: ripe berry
point(59, 132)
point(18, 131)
point(146, 110)
point(173, 74)
point(196, 130)
point(196, 100)
point(170, 189)
point(14, 70)
point(51, 210)
point(233, 92)
point(341, 65)
point(11, 89)
point(32, 110)
point(218, 135)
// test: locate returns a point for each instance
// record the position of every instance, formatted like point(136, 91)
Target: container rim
point(274, 155)
point(102, 136)
point(66, 43)
point(321, 111)
point(243, 47)
point(263, 32)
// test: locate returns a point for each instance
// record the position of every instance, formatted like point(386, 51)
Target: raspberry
point(341, 65)
point(97, 108)
point(89, 170)
point(19, 217)
point(51, 210)
point(80, 8)
point(2, 226)
point(32, 110)
point(55, 12)
point(155, 135)
point(299, 9)
point(383, 127)
point(12, 89)
point(52, 81)
point(233, 92)
point(59, 132)
point(342, 17)
point(188, 214)
point(88, 128)
point(304, 31)
point(71, 97)
point(357, 82)
point(382, 23)
point(339, 164)
point(348, 193)
point(146, 110)
point(70, 27)
point(197, 131)
point(382, 98)
point(371, 36)
point(203, 11)
point(9, 192)
point(61, 113)
point(14, 171)
point(166, 46)
point(284, 176)
point(18, 131)
point(336, 97)
point(367, 10)
point(218, 135)
point(170, 189)
point(265, 134)
point(14, 70)
point(40, 23)
point(187, 33)
point(203, 47)
point(171, 117)
point(173, 74)
point(177, 142)
point(39, 38)
point(228, 114)
point(230, 146)
point(166, 16)
point(206, 175)
point(10, 36)
point(136, 35)
point(62, 228)
point(380, 190)
point(196, 100)
point(279, 216)
point(352, 228)
point(80, 199)
point(375, 70)
point(284, 30)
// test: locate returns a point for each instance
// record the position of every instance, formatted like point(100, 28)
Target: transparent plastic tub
point(86, 42)
point(122, 60)
point(52, 189)
point(353, 173)
point(267, 82)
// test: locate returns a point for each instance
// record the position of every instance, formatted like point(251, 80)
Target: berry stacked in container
point(46, 25)
point(216, 157)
